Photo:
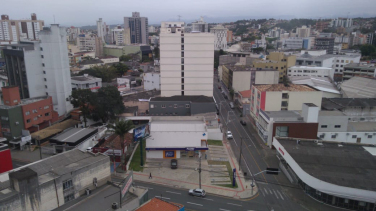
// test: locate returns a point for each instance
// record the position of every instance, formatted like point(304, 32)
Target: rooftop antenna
point(179, 16)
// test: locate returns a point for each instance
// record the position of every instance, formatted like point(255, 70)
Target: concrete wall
point(152, 81)
point(241, 80)
point(154, 154)
point(296, 99)
point(267, 77)
point(347, 137)
point(14, 115)
point(199, 108)
point(331, 121)
point(273, 101)
point(169, 110)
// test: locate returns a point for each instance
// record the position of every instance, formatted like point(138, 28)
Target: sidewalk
point(181, 180)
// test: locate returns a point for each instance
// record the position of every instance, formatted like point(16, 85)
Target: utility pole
point(199, 173)
point(241, 145)
point(142, 157)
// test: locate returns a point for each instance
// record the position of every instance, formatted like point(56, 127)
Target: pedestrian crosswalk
point(269, 192)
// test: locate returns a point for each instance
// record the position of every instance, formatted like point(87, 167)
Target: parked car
point(225, 96)
point(243, 122)
point(197, 192)
point(89, 149)
point(229, 135)
point(231, 105)
point(219, 87)
point(174, 164)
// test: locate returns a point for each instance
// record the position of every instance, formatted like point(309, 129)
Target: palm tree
point(121, 128)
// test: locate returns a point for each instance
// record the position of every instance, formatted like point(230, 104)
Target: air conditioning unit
point(347, 134)
point(322, 135)
point(17, 123)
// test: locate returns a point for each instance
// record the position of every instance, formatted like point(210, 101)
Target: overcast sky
point(86, 12)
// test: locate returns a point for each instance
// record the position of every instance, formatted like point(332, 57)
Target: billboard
point(141, 132)
point(127, 184)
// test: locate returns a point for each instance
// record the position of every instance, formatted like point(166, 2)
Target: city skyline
point(113, 11)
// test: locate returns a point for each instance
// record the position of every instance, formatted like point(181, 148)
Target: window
point(45, 86)
point(4, 118)
point(41, 49)
point(337, 126)
point(35, 110)
point(187, 106)
point(354, 136)
point(43, 64)
point(41, 56)
point(175, 106)
point(44, 72)
point(47, 114)
point(333, 136)
point(45, 79)
point(151, 105)
point(35, 118)
point(163, 106)
point(182, 67)
point(324, 126)
point(47, 93)
point(28, 121)
point(69, 197)
point(369, 136)
point(182, 54)
point(67, 184)
point(182, 60)
point(282, 131)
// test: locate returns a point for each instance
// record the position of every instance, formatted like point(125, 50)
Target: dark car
point(243, 122)
point(174, 164)
point(219, 87)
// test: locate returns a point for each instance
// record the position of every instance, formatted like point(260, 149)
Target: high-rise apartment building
point(186, 61)
point(325, 43)
point(12, 31)
point(86, 42)
point(278, 61)
point(139, 30)
point(117, 36)
point(341, 22)
point(200, 26)
point(101, 29)
point(304, 31)
point(220, 37)
point(42, 68)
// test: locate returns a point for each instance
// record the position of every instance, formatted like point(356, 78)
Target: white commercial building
point(13, 31)
point(46, 68)
point(293, 43)
point(220, 37)
point(117, 36)
point(174, 137)
point(86, 42)
point(152, 81)
point(186, 61)
point(310, 71)
point(86, 82)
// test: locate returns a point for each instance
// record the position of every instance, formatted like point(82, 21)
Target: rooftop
point(92, 61)
point(142, 95)
point(240, 67)
point(114, 141)
point(349, 165)
point(359, 87)
point(311, 67)
point(282, 87)
point(73, 135)
point(320, 83)
point(362, 66)
point(341, 103)
point(159, 205)
point(283, 114)
point(331, 113)
point(54, 129)
point(25, 102)
point(84, 78)
point(193, 98)
point(246, 93)
point(307, 56)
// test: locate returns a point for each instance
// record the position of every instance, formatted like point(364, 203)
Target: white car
point(229, 135)
point(89, 149)
point(197, 192)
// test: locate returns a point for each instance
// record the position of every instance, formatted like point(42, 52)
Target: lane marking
point(208, 199)
point(280, 195)
point(235, 204)
point(262, 192)
point(173, 192)
point(161, 197)
point(266, 191)
point(145, 187)
point(224, 209)
point(275, 194)
point(195, 204)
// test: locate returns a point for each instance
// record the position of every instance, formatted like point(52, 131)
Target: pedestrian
point(150, 177)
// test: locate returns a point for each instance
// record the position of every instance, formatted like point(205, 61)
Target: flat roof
point(311, 67)
point(321, 83)
point(54, 129)
point(282, 114)
point(73, 135)
point(331, 113)
point(349, 165)
point(361, 66)
point(342, 103)
point(84, 78)
point(93, 61)
point(237, 68)
point(25, 102)
point(192, 98)
point(282, 87)
point(359, 87)
point(361, 127)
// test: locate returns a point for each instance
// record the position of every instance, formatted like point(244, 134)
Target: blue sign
point(204, 134)
point(141, 132)
point(169, 154)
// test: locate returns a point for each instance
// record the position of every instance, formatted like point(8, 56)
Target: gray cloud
point(86, 12)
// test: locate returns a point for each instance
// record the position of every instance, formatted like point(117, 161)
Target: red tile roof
point(156, 204)
point(246, 93)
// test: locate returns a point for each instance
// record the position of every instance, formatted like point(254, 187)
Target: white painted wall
point(152, 81)
point(154, 153)
point(347, 137)
point(241, 80)
point(296, 99)
point(267, 77)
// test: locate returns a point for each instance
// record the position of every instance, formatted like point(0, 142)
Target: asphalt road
point(253, 154)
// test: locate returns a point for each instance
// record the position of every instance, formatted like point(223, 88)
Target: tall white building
point(117, 36)
point(41, 68)
point(138, 28)
point(101, 29)
point(220, 37)
point(86, 42)
point(200, 26)
point(152, 29)
point(186, 61)
point(341, 22)
point(13, 31)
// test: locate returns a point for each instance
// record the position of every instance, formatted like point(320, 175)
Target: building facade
point(303, 31)
point(13, 31)
point(186, 61)
point(310, 71)
point(139, 31)
point(357, 69)
point(86, 82)
point(220, 37)
point(86, 42)
point(42, 68)
point(278, 61)
point(277, 97)
point(325, 43)
point(200, 26)
point(152, 81)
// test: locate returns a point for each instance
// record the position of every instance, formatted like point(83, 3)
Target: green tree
point(121, 128)
point(232, 92)
point(125, 58)
point(263, 30)
point(120, 68)
point(105, 72)
point(367, 49)
point(83, 99)
point(156, 52)
point(108, 104)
